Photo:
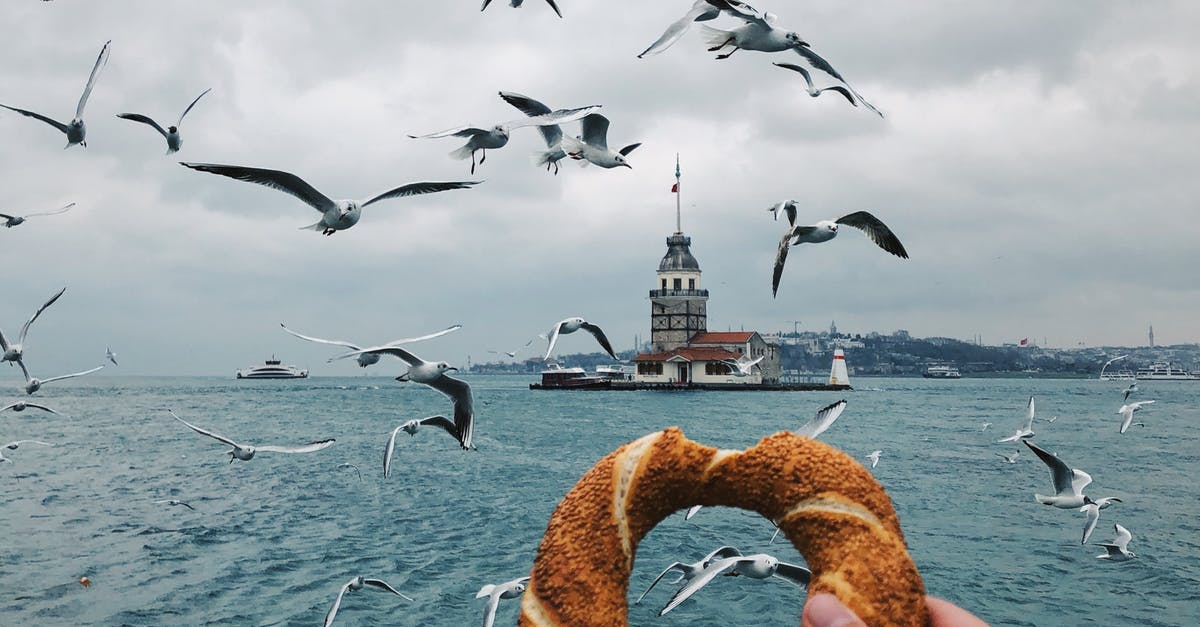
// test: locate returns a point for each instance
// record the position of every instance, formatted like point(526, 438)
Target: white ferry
point(942, 372)
point(1162, 371)
point(273, 369)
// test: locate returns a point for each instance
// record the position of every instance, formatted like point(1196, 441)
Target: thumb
point(825, 610)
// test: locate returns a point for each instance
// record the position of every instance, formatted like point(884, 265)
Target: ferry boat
point(555, 377)
point(273, 369)
point(1162, 371)
point(941, 372)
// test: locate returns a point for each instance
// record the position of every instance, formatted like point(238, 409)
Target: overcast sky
point(1038, 160)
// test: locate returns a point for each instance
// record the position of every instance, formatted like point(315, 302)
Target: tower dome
point(679, 255)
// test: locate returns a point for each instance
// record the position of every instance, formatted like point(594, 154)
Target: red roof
point(692, 353)
point(722, 337)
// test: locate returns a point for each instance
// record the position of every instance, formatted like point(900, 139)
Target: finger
point(946, 614)
point(825, 610)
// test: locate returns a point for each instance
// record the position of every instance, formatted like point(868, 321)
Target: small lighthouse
point(838, 374)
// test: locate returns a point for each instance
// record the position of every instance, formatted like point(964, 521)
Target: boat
point(272, 369)
point(555, 377)
point(942, 372)
point(1163, 371)
point(1120, 375)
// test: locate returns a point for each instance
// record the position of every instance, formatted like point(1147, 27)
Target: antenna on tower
point(678, 223)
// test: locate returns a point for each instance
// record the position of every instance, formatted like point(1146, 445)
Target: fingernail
point(825, 610)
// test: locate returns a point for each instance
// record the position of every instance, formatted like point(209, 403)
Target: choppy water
point(274, 538)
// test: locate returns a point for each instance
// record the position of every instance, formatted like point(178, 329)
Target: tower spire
point(678, 223)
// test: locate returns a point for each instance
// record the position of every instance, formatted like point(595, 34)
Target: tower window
point(678, 284)
point(664, 284)
point(691, 284)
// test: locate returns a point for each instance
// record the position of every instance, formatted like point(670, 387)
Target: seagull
point(823, 420)
point(174, 502)
point(985, 426)
point(1068, 483)
point(23, 405)
point(246, 452)
point(1130, 390)
point(411, 427)
point(1026, 430)
point(826, 230)
point(349, 465)
point(172, 132)
point(687, 572)
point(759, 566)
point(592, 146)
point(788, 207)
point(336, 215)
point(513, 353)
point(692, 511)
point(701, 11)
point(493, 592)
point(571, 325)
point(33, 384)
point(15, 351)
point(111, 356)
point(551, 133)
point(355, 585)
point(76, 131)
point(367, 359)
point(1011, 459)
point(10, 221)
point(434, 375)
point(813, 91)
point(739, 368)
point(518, 3)
point(1093, 515)
point(1128, 411)
point(12, 446)
point(1118, 549)
point(497, 136)
point(874, 457)
point(1051, 419)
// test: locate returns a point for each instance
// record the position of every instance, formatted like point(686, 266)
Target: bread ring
point(829, 506)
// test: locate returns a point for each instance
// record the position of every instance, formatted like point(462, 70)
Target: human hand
point(825, 610)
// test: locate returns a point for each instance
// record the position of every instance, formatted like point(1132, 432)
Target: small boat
point(1163, 371)
point(942, 372)
point(273, 369)
point(555, 377)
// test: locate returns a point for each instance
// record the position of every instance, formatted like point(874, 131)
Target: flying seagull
point(349, 465)
point(1130, 390)
point(245, 452)
point(788, 207)
point(174, 141)
point(33, 384)
point(1026, 430)
point(701, 11)
point(495, 592)
point(110, 355)
point(10, 220)
point(826, 230)
point(484, 139)
point(336, 215)
point(874, 457)
point(174, 502)
point(513, 353)
point(411, 427)
point(434, 375)
point(823, 420)
point(1011, 459)
point(518, 3)
point(76, 131)
point(1128, 411)
point(1068, 483)
point(592, 146)
point(355, 585)
point(687, 572)
point(1118, 549)
point(1092, 511)
point(571, 325)
point(759, 566)
point(551, 133)
point(23, 405)
point(12, 446)
point(15, 351)
point(740, 368)
point(813, 91)
point(367, 359)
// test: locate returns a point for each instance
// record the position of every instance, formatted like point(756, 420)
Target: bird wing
point(598, 333)
point(1089, 524)
point(337, 603)
point(813, 91)
point(424, 187)
point(680, 566)
point(1029, 418)
point(552, 339)
point(464, 407)
point(285, 182)
point(319, 340)
point(823, 420)
point(72, 375)
point(383, 585)
point(489, 612)
point(450, 329)
point(101, 60)
point(313, 446)
point(1128, 413)
point(394, 351)
point(24, 370)
point(699, 581)
point(554, 6)
point(37, 116)
point(876, 230)
point(137, 117)
point(36, 406)
point(1127, 393)
point(215, 436)
point(801, 71)
point(1060, 473)
point(692, 511)
point(724, 552)
point(65, 209)
point(458, 131)
point(790, 208)
point(1079, 481)
point(12, 446)
point(1123, 537)
point(798, 575)
point(441, 422)
point(595, 130)
point(552, 133)
point(781, 255)
point(554, 117)
point(628, 149)
point(25, 328)
point(701, 11)
point(189, 107)
point(1138, 405)
point(388, 450)
point(820, 63)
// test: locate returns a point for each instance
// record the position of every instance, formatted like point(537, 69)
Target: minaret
point(678, 307)
point(1151, 336)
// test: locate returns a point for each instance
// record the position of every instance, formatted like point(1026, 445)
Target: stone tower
point(678, 308)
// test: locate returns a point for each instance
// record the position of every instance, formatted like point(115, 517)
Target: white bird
point(513, 353)
point(592, 145)
point(1068, 483)
point(1118, 549)
point(759, 566)
point(434, 375)
point(13, 220)
point(1128, 411)
point(1011, 459)
point(174, 141)
point(687, 572)
point(1092, 511)
point(985, 426)
point(23, 405)
point(367, 359)
point(110, 355)
point(740, 368)
point(411, 427)
point(174, 502)
point(245, 452)
point(813, 91)
point(495, 592)
point(1026, 430)
point(874, 457)
point(823, 420)
point(1130, 390)
point(551, 133)
point(571, 325)
point(355, 585)
point(517, 3)
point(349, 465)
point(335, 215)
point(33, 384)
point(692, 511)
point(826, 230)
point(484, 139)
point(701, 11)
point(15, 351)
point(788, 207)
point(1051, 419)
point(12, 446)
point(76, 131)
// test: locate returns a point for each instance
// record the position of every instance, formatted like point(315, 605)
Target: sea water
point(272, 540)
